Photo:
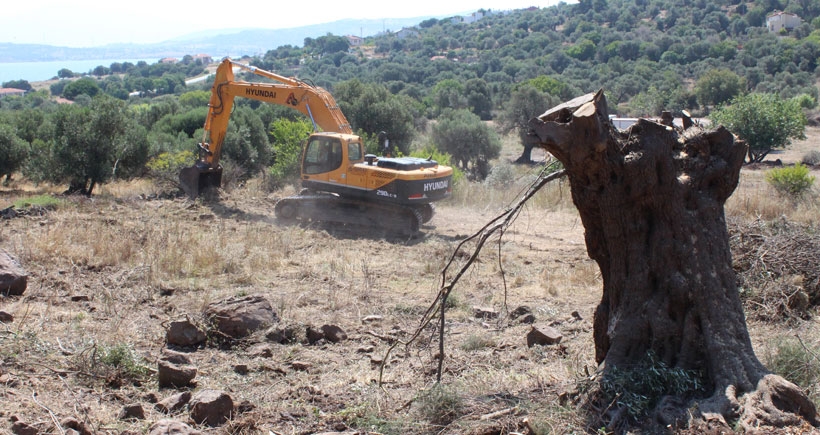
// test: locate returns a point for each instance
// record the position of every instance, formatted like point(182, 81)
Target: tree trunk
point(526, 155)
point(651, 201)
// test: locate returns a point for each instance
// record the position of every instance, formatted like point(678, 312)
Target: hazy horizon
point(89, 24)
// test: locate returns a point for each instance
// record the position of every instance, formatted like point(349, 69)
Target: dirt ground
point(112, 272)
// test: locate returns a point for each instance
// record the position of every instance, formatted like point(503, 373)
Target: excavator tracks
point(337, 211)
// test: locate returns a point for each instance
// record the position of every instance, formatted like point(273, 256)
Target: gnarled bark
point(651, 201)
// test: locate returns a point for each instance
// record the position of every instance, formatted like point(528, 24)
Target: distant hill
point(217, 43)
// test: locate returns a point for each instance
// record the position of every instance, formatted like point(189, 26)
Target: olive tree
point(470, 142)
point(764, 121)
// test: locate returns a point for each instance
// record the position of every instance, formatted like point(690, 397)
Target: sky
point(91, 23)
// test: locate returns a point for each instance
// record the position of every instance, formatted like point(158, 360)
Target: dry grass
point(112, 271)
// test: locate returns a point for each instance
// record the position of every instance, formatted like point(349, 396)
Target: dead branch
point(499, 224)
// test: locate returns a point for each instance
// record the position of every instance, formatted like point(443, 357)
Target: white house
point(407, 33)
point(782, 20)
point(354, 41)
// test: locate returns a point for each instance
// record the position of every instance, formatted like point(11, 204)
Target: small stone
point(314, 335)
point(184, 333)
point(133, 411)
point(261, 350)
point(365, 349)
point(241, 369)
point(301, 366)
point(80, 298)
point(167, 427)
point(211, 407)
point(371, 318)
point(333, 333)
point(520, 311)
point(527, 318)
point(484, 313)
point(73, 423)
point(543, 335)
point(175, 370)
point(13, 279)
point(174, 403)
point(6, 317)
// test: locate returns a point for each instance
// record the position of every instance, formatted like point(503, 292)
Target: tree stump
point(651, 199)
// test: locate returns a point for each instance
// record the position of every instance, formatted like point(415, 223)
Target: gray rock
point(314, 335)
point(261, 350)
point(211, 407)
point(6, 317)
point(171, 427)
point(13, 278)
point(239, 317)
point(184, 333)
point(175, 370)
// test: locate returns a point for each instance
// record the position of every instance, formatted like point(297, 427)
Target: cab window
point(322, 155)
point(354, 151)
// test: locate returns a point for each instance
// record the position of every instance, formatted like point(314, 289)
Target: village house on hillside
point(407, 33)
point(354, 41)
point(7, 92)
point(203, 58)
point(782, 20)
point(168, 60)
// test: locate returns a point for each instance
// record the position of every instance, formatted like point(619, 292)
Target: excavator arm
point(313, 101)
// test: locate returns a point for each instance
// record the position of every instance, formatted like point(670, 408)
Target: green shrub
point(793, 181)
point(124, 360)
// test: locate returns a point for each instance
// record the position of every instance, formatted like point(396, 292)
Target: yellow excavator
point(341, 184)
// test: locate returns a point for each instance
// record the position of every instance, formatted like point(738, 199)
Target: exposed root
point(777, 403)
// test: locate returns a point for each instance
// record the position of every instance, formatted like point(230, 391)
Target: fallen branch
point(497, 225)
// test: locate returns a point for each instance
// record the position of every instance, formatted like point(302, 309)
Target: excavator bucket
point(195, 179)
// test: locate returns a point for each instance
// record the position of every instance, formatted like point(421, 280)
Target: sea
point(40, 71)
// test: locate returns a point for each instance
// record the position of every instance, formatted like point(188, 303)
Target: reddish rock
point(211, 407)
point(543, 335)
point(171, 427)
point(13, 279)
point(175, 369)
point(239, 317)
point(174, 403)
point(184, 333)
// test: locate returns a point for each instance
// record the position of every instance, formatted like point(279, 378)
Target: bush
point(811, 158)
point(798, 363)
point(440, 405)
point(793, 181)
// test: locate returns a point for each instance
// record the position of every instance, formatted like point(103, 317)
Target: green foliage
point(45, 201)
point(83, 86)
point(170, 162)
point(86, 145)
point(288, 139)
point(472, 143)
point(124, 360)
point(18, 84)
point(13, 151)
point(639, 388)
point(764, 121)
point(718, 86)
point(371, 108)
point(442, 159)
point(246, 142)
point(793, 181)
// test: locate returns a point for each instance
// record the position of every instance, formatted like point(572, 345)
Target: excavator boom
point(313, 101)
